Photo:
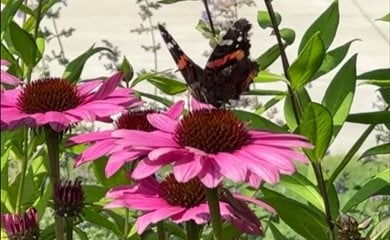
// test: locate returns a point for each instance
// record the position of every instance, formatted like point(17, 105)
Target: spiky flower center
point(23, 226)
point(212, 131)
point(49, 94)
point(187, 195)
point(135, 120)
point(68, 198)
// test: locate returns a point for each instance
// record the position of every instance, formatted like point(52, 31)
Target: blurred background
point(123, 25)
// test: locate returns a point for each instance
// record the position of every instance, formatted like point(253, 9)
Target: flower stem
point(69, 228)
point(297, 109)
point(212, 196)
point(206, 6)
point(160, 231)
point(53, 140)
point(192, 230)
point(22, 171)
point(126, 228)
point(322, 187)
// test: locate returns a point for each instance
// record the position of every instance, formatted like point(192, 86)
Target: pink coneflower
point(181, 202)
point(103, 144)
point(21, 226)
point(210, 144)
point(60, 103)
point(7, 78)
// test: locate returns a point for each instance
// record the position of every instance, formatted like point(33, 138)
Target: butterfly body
point(228, 71)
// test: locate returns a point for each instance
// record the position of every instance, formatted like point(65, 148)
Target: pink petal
point(117, 160)
point(146, 168)
point(230, 166)
point(82, 113)
point(54, 117)
point(89, 137)
point(9, 79)
point(95, 151)
point(107, 87)
point(253, 180)
point(87, 86)
point(154, 217)
point(175, 110)
point(162, 122)
point(186, 170)
point(147, 139)
point(4, 62)
point(9, 115)
point(196, 105)
point(256, 202)
point(100, 108)
point(200, 214)
point(209, 175)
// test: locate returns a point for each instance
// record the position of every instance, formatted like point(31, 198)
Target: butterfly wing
point(191, 72)
point(229, 71)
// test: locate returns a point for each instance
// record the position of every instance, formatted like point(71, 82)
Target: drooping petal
point(117, 160)
point(87, 86)
point(230, 166)
point(210, 175)
point(141, 138)
point(186, 170)
point(162, 122)
point(200, 214)
point(107, 87)
point(153, 217)
point(89, 137)
point(146, 168)
point(95, 151)
point(175, 110)
point(255, 201)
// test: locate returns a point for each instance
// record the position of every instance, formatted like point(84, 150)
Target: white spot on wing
point(170, 45)
point(226, 42)
point(239, 39)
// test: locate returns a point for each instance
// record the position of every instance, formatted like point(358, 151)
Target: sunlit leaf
point(377, 150)
point(23, 43)
point(257, 122)
point(385, 18)
point(308, 62)
point(326, 23)
point(268, 57)
point(316, 125)
point(264, 20)
point(8, 13)
point(370, 117)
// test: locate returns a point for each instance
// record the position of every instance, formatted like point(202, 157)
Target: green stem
point(69, 228)
point(297, 109)
point(192, 230)
point(322, 187)
point(206, 6)
point(53, 140)
point(23, 170)
point(126, 228)
point(160, 230)
point(212, 196)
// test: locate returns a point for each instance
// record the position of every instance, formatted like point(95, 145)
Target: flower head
point(7, 78)
point(21, 226)
point(181, 202)
point(68, 198)
point(103, 144)
point(60, 103)
point(212, 143)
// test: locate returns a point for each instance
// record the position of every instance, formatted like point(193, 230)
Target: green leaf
point(288, 35)
point(377, 150)
point(289, 115)
point(326, 23)
point(93, 193)
point(369, 189)
point(257, 122)
point(385, 93)
point(82, 235)
point(268, 57)
point(119, 178)
point(277, 235)
point(377, 74)
point(305, 221)
point(75, 67)
point(174, 229)
point(316, 125)
point(172, 1)
point(333, 58)
point(339, 94)
point(265, 76)
point(308, 62)
point(333, 199)
point(167, 85)
point(370, 117)
point(159, 99)
point(264, 107)
point(8, 13)
point(204, 28)
point(94, 217)
point(23, 43)
point(6, 206)
point(264, 20)
point(127, 70)
point(302, 186)
point(381, 231)
point(41, 203)
point(385, 18)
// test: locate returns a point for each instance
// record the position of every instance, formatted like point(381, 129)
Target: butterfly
point(228, 72)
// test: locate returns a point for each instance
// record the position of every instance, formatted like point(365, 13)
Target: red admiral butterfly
point(228, 71)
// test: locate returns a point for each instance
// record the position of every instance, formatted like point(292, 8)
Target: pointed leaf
point(385, 18)
point(326, 23)
point(268, 57)
point(377, 150)
point(370, 117)
point(73, 70)
point(119, 178)
point(94, 217)
point(302, 186)
point(333, 58)
point(257, 122)
point(339, 94)
point(168, 85)
point(377, 183)
point(159, 99)
point(265, 76)
point(308, 62)
point(23, 43)
point(288, 111)
point(316, 125)
point(305, 221)
point(8, 13)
